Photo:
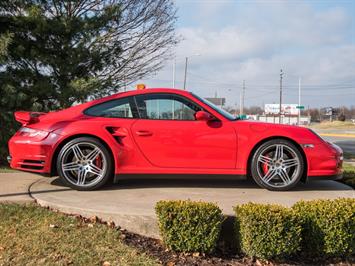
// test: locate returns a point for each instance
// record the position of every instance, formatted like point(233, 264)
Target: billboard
point(217, 101)
point(286, 109)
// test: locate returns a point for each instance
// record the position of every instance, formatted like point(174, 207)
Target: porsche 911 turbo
point(166, 131)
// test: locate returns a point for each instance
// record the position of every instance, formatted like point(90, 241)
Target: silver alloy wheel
point(83, 164)
point(278, 165)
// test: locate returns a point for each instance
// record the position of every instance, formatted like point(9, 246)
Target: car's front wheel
point(277, 165)
point(84, 164)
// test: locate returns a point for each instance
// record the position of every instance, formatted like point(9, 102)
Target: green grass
point(7, 170)
point(349, 156)
point(28, 239)
point(334, 125)
point(349, 175)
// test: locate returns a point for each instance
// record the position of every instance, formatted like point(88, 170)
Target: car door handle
point(144, 133)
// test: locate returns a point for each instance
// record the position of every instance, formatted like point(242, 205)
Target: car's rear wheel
point(85, 164)
point(277, 165)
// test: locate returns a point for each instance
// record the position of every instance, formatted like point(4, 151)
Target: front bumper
point(325, 162)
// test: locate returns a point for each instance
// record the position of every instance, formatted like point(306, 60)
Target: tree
point(5, 116)
point(341, 117)
point(66, 51)
point(54, 53)
point(5, 39)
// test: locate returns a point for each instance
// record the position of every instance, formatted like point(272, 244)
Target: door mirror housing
point(203, 116)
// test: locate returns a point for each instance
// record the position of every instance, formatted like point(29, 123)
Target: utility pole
point(186, 62)
point(174, 70)
point(243, 97)
point(240, 103)
point(299, 101)
point(280, 112)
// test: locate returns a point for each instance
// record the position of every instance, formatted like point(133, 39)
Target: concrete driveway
point(14, 186)
point(130, 203)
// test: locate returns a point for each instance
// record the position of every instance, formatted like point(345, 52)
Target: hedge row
point(328, 226)
point(267, 231)
point(315, 228)
point(189, 226)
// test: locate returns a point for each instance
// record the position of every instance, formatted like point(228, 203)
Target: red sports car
point(166, 131)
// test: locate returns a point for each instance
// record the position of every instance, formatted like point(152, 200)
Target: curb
point(140, 224)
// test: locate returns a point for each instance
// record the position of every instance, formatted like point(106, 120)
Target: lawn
point(349, 156)
point(6, 170)
point(31, 235)
point(334, 125)
point(349, 174)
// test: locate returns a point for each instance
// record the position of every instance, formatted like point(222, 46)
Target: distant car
point(166, 131)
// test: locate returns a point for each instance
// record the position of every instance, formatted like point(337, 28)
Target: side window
point(120, 108)
point(166, 107)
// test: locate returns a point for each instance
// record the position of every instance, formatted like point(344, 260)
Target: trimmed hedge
point(328, 226)
point(189, 226)
point(317, 228)
point(267, 231)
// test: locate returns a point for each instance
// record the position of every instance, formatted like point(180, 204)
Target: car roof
point(140, 92)
point(150, 90)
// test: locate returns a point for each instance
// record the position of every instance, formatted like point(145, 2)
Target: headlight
point(33, 133)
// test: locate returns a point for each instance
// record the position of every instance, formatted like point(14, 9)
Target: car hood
point(265, 125)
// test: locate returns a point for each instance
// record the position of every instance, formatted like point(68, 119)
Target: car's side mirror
point(203, 116)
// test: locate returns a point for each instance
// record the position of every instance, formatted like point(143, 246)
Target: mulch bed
point(155, 248)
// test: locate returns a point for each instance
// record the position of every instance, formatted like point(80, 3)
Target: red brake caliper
point(264, 166)
point(98, 161)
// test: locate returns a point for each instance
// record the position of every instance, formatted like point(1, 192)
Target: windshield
point(216, 108)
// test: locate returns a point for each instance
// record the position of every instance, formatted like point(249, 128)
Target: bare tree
point(144, 35)
point(86, 48)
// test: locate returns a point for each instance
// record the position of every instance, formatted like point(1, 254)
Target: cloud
point(253, 40)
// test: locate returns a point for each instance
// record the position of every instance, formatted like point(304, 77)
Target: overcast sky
point(253, 40)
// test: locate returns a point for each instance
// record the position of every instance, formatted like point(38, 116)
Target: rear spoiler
point(26, 118)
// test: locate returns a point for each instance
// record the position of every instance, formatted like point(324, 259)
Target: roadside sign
point(287, 109)
point(300, 107)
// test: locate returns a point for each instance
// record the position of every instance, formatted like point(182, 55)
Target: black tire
point(105, 175)
point(277, 167)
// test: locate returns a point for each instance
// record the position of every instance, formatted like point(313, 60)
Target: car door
point(169, 136)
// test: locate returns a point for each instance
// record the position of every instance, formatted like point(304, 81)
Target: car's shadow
point(140, 181)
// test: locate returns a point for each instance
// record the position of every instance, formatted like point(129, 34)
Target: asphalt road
point(347, 144)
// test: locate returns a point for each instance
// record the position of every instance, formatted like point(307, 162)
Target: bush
point(349, 175)
point(328, 226)
point(189, 226)
point(8, 128)
point(267, 231)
